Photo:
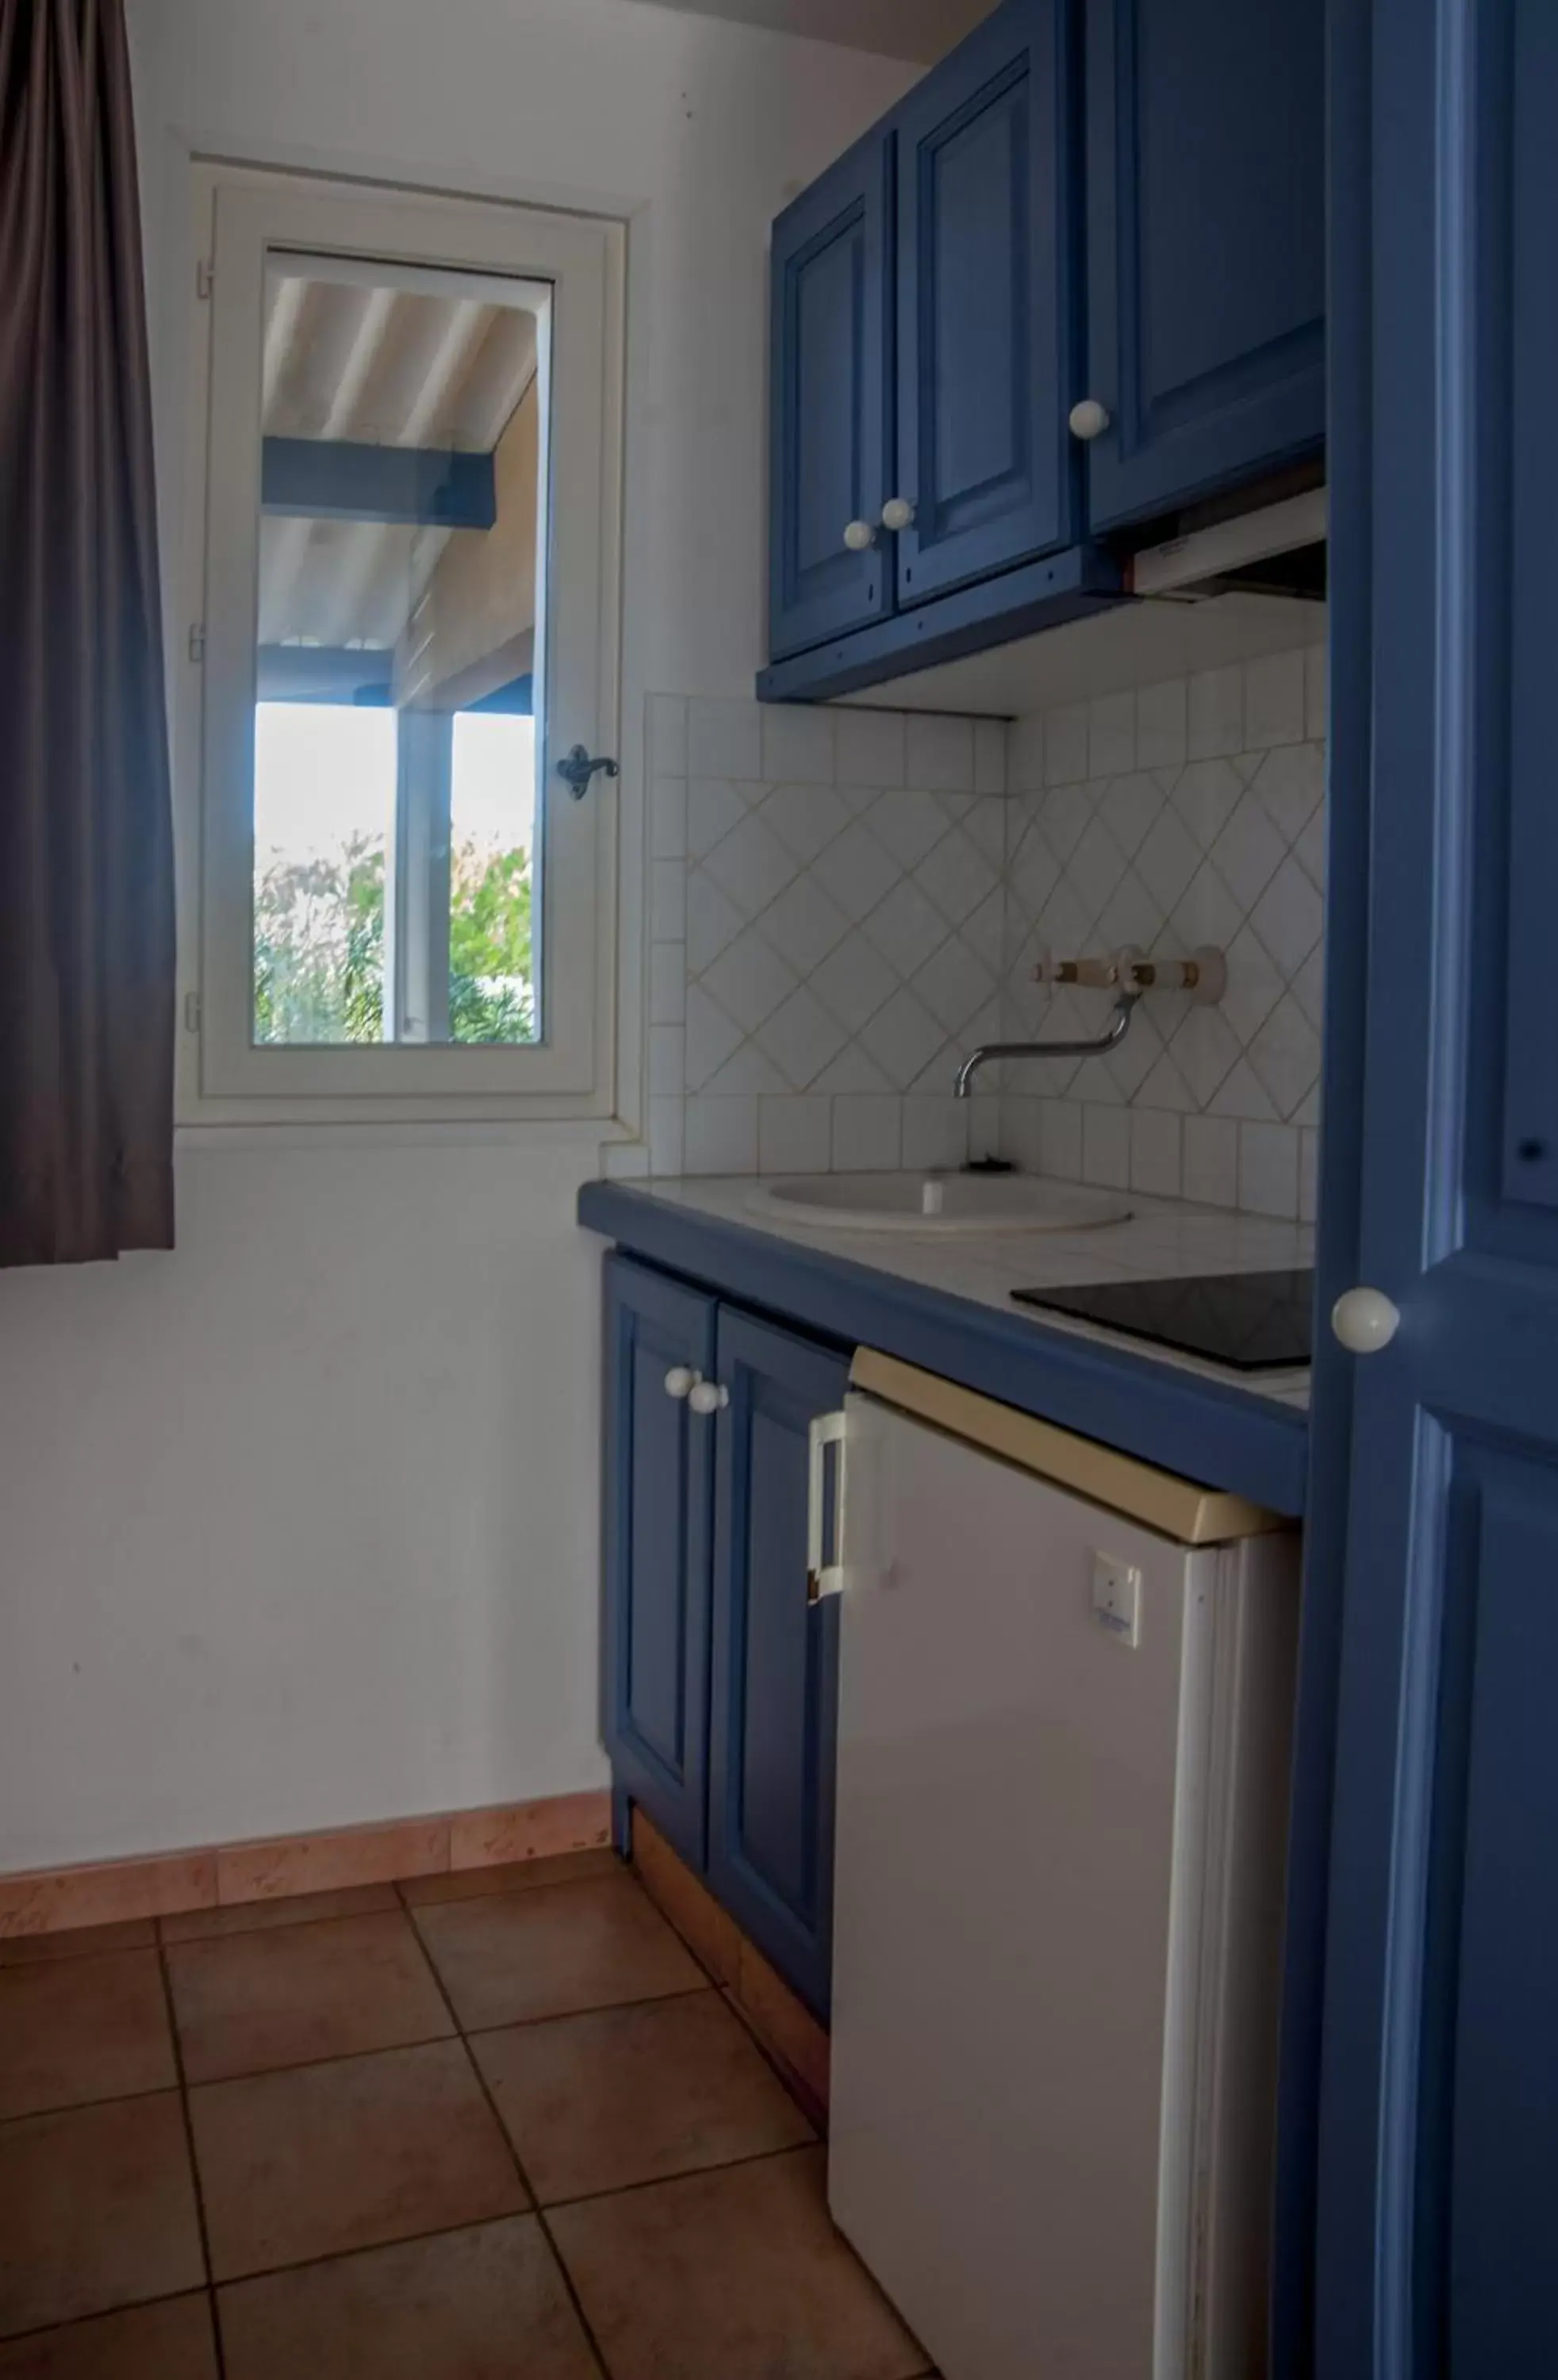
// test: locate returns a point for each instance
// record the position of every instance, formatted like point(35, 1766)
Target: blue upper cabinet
point(657, 1510)
point(984, 305)
point(1205, 244)
point(831, 342)
point(1114, 199)
point(774, 1671)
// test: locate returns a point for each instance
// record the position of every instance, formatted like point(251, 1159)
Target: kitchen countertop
point(946, 1304)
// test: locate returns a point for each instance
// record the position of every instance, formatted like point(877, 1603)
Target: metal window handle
point(1365, 1320)
point(681, 1380)
point(576, 768)
point(707, 1397)
point(822, 1577)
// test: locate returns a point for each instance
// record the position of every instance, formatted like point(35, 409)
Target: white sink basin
point(935, 1203)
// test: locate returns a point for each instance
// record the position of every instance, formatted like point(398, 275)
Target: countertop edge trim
point(1176, 1419)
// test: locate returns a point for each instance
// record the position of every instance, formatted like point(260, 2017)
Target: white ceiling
point(361, 359)
point(922, 29)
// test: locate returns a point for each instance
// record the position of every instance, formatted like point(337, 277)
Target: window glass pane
point(397, 852)
point(324, 780)
point(491, 816)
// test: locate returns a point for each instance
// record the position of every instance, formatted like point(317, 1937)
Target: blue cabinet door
point(773, 1702)
point(985, 233)
point(1206, 245)
point(1429, 1712)
point(658, 1508)
point(831, 351)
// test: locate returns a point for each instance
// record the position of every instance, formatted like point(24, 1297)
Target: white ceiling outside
point(357, 357)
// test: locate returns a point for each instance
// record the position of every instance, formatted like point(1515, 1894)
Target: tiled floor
point(490, 2126)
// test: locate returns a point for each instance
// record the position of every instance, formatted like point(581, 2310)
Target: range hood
point(1227, 590)
point(1278, 550)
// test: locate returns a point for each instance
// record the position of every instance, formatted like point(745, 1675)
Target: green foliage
point(319, 947)
point(490, 993)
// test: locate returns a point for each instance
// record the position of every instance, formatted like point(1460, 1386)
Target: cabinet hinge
point(191, 1012)
point(204, 277)
point(196, 641)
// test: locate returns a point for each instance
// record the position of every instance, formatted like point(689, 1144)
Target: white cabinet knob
point(896, 512)
point(1365, 1320)
point(709, 1397)
point(859, 535)
point(1088, 418)
point(681, 1380)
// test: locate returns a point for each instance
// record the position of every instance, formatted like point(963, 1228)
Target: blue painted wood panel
point(1205, 245)
point(330, 479)
point(1436, 2147)
point(773, 1702)
point(831, 362)
point(985, 239)
point(657, 1516)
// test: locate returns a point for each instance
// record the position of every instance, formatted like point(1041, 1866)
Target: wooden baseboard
point(788, 2030)
point(49, 1900)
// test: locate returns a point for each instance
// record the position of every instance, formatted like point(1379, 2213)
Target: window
point(409, 575)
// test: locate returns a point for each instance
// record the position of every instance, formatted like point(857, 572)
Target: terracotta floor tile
point(325, 2160)
point(736, 2274)
point(485, 2304)
point(555, 1950)
point(630, 2095)
point(97, 2209)
point(254, 2001)
point(77, 1942)
point(170, 2342)
point(257, 1916)
point(78, 2029)
point(512, 1876)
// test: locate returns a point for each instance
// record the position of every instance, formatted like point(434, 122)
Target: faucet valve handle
point(1204, 975)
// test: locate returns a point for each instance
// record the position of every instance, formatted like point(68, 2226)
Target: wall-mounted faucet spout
point(1113, 1033)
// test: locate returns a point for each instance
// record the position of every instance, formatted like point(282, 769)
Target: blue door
point(985, 283)
point(1206, 246)
point(831, 351)
point(774, 1701)
point(1429, 1710)
point(658, 1507)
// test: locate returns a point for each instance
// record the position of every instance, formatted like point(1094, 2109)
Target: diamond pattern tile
point(863, 904)
point(801, 1037)
point(751, 865)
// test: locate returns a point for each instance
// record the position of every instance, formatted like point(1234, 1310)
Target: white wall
point(298, 1525)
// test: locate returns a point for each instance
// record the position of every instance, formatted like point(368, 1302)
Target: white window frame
point(241, 213)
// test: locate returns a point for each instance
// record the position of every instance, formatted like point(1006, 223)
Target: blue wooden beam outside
point(338, 479)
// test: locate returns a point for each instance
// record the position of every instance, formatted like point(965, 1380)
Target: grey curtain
point(87, 966)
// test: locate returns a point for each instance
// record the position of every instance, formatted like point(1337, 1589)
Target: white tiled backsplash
point(843, 904)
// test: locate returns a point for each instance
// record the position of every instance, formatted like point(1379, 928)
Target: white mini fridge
point(1064, 1719)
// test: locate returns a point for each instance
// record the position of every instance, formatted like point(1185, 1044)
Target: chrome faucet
point(1112, 1035)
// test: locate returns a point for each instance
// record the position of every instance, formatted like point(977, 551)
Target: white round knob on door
point(897, 513)
point(709, 1397)
point(681, 1380)
point(1088, 419)
point(1365, 1320)
point(859, 535)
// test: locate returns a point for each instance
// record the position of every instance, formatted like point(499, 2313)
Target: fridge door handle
point(822, 1577)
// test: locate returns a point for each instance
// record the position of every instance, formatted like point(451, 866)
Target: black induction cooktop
point(1254, 1321)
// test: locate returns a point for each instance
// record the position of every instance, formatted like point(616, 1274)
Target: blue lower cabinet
point(774, 1669)
point(658, 1509)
